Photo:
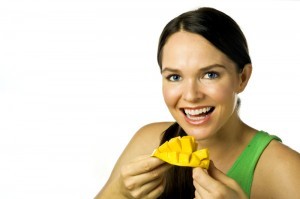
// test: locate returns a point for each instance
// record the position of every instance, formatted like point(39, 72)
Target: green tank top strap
point(242, 170)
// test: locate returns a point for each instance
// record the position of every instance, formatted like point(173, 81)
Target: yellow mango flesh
point(187, 145)
point(174, 144)
point(164, 148)
point(184, 158)
point(181, 151)
point(195, 160)
point(202, 154)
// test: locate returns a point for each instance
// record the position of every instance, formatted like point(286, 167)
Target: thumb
point(227, 181)
point(220, 176)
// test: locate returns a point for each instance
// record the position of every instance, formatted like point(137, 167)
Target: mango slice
point(182, 151)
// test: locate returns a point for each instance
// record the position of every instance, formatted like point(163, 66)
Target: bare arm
point(277, 174)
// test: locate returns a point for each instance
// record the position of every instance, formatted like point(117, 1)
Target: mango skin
point(181, 151)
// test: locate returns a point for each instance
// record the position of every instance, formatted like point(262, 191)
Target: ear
point(244, 77)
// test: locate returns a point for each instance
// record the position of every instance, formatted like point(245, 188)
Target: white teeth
point(196, 111)
point(195, 118)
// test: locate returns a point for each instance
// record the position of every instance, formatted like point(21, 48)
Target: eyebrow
point(206, 68)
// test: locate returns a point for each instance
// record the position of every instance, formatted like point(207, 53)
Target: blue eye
point(211, 75)
point(174, 78)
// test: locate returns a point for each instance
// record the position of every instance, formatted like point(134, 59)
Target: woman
point(205, 64)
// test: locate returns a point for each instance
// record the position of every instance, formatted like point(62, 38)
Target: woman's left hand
point(214, 184)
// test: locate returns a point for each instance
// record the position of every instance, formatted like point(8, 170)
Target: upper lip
point(195, 108)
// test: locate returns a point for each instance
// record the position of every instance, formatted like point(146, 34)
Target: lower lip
point(197, 122)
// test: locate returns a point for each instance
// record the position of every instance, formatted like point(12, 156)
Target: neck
point(226, 145)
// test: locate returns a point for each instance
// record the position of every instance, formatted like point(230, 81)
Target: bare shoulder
point(149, 136)
point(144, 141)
point(277, 173)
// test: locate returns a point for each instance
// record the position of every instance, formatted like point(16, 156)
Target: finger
point(155, 192)
point(138, 181)
point(203, 180)
point(200, 191)
point(220, 176)
point(197, 195)
point(151, 188)
point(141, 165)
point(152, 175)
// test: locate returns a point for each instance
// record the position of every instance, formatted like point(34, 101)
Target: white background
point(79, 77)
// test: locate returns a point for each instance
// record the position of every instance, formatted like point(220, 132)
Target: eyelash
point(172, 75)
point(209, 73)
point(216, 74)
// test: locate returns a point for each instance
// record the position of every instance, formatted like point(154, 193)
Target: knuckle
point(136, 194)
point(218, 195)
point(154, 174)
point(148, 197)
point(147, 166)
point(161, 188)
point(129, 184)
point(221, 193)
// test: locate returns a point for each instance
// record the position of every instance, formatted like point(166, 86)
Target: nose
point(192, 91)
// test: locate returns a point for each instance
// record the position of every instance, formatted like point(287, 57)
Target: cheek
point(170, 94)
point(221, 93)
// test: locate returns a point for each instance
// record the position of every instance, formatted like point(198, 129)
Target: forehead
point(190, 49)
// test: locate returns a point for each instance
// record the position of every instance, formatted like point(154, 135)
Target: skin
point(196, 74)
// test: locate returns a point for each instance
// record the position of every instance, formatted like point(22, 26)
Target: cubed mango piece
point(173, 157)
point(187, 144)
point(194, 160)
point(201, 154)
point(174, 144)
point(184, 158)
point(205, 164)
point(164, 148)
point(155, 152)
point(181, 151)
point(164, 156)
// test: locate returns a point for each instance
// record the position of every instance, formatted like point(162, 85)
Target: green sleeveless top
point(242, 170)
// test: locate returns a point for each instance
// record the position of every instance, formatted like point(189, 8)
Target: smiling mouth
point(197, 114)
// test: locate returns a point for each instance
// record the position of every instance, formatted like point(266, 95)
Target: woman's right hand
point(143, 178)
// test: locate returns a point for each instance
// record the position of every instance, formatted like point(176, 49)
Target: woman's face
point(200, 84)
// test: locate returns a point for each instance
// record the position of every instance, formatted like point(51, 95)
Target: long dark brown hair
point(225, 34)
point(179, 182)
point(215, 26)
